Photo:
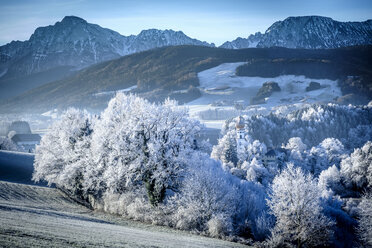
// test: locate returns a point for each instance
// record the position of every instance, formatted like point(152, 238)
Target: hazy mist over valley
point(185, 124)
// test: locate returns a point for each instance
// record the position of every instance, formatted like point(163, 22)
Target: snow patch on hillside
point(51, 113)
point(224, 92)
point(113, 92)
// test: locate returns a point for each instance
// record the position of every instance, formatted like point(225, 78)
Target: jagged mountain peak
point(61, 28)
point(73, 19)
point(158, 31)
point(307, 18)
point(154, 33)
point(152, 38)
point(316, 32)
point(301, 21)
point(240, 42)
point(73, 28)
point(168, 34)
point(309, 32)
point(75, 42)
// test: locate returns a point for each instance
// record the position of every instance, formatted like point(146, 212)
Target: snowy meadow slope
point(222, 91)
point(32, 216)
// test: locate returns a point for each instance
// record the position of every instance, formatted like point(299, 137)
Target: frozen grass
point(33, 216)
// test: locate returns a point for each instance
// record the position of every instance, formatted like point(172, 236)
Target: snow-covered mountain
point(239, 42)
point(310, 32)
point(77, 43)
point(153, 38)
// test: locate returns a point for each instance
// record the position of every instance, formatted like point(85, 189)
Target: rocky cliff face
point(251, 41)
point(309, 32)
point(153, 38)
point(75, 42)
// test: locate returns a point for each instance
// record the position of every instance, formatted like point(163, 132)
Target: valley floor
point(34, 216)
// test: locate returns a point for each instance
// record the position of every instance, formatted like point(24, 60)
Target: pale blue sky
point(213, 21)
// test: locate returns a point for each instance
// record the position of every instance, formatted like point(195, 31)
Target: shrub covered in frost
point(365, 220)
point(64, 152)
point(7, 144)
point(295, 201)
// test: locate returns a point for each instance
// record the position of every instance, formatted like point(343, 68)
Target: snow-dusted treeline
point(294, 179)
point(314, 163)
point(350, 124)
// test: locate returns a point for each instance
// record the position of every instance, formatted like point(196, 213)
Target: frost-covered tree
point(213, 201)
point(7, 144)
point(357, 168)
point(295, 201)
point(64, 152)
point(140, 144)
point(331, 179)
point(329, 152)
point(351, 176)
point(256, 149)
point(360, 135)
point(257, 172)
point(226, 150)
point(245, 161)
point(208, 200)
point(296, 148)
point(365, 220)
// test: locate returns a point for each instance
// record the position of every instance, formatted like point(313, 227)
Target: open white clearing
point(33, 216)
point(222, 89)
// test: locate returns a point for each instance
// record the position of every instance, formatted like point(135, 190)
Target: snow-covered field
point(34, 216)
point(221, 85)
point(105, 93)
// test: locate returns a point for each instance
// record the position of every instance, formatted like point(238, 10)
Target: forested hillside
point(172, 72)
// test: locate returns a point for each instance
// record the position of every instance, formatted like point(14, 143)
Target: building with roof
point(269, 157)
point(274, 156)
point(27, 141)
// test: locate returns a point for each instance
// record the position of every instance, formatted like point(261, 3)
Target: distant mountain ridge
point(57, 51)
point(75, 42)
point(308, 32)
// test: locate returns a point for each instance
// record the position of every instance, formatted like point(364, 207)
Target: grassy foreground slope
point(33, 216)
